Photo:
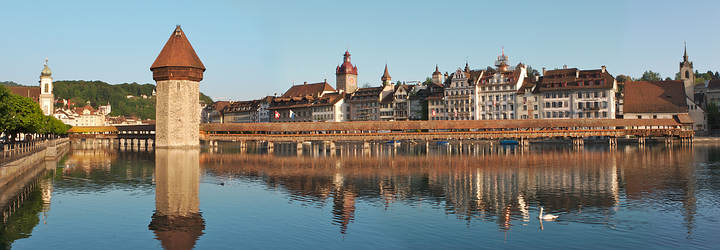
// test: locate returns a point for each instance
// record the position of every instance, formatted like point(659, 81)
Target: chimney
point(565, 66)
point(603, 68)
point(304, 83)
point(543, 70)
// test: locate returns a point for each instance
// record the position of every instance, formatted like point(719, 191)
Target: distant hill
point(101, 93)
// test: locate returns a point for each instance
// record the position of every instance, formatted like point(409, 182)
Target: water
point(410, 196)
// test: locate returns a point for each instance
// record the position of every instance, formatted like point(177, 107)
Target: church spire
point(685, 56)
point(386, 76)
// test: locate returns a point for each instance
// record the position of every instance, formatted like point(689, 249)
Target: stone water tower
point(177, 72)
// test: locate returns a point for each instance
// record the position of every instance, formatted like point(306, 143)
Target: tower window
point(687, 74)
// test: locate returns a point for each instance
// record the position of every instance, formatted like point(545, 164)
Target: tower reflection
point(177, 221)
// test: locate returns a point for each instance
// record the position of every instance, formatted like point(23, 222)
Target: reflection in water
point(177, 221)
point(21, 216)
point(584, 186)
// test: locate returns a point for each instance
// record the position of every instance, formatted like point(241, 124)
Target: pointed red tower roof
point(346, 67)
point(386, 75)
point(177, 60)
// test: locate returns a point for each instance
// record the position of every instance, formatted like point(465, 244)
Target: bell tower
point(47, 99)
point(346, 75)
point(687, 75)
point(177, 72)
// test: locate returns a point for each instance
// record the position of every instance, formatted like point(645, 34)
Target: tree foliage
point(22, 115)
point(650, 76)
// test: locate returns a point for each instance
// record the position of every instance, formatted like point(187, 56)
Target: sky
point(256, 48)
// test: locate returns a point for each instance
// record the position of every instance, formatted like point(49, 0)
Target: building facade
point(574, 93)
point(498, 90)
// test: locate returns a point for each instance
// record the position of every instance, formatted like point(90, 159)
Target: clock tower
point(346, 75)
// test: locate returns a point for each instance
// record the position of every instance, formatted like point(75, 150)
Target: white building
point(498, 90)
point(574, 93)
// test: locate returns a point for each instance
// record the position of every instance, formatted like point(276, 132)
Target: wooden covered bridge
point(521, 130)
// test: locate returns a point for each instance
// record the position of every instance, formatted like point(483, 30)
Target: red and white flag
point(433, 113)
point(277, 115)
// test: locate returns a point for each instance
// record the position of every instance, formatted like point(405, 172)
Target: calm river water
point(411, 196)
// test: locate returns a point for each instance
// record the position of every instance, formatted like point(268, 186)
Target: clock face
point(352, 80)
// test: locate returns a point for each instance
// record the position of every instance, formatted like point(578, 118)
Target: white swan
point(547, 216)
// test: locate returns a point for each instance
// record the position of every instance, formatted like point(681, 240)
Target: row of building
point(501, 92)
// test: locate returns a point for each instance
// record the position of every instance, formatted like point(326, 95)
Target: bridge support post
point(612, 142)
point(641, 141)
point(332, 148)
point(299, 148)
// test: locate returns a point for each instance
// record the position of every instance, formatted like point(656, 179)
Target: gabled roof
point(308, 89)
point(655, 97)
point(178, 53)
point(714, 84)
point(565, 79)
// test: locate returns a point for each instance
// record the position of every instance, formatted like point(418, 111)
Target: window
point(579, 95)
point(535, 107)
point(580, 115)
point(654, 116)
point(604, 104)
point(597, 94)
point(536, 116)
point(524, 107)
point(554, 105)
point(580, 105)
point(604, 114)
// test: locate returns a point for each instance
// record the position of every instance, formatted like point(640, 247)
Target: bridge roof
point(419, 125)
point(91, 129)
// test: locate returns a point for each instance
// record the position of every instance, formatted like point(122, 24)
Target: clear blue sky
point(257, 48)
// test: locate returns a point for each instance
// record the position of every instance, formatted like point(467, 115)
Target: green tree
point(623, 78)
point(19, 115)
point(713, 116)
point(651, 76)
point(427, 81)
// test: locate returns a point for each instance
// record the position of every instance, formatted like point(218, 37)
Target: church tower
point(47, 99)
point(687, 75)
point(346, 75)
point(386, 78)
point(177, 72)
point(437, 77)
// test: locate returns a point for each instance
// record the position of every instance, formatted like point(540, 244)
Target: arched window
point(687, 74)
point(46, 88)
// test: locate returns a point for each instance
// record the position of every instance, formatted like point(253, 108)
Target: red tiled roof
point(655, 97)
point(311, 89)
point(714, 84)
point(684, 118)
point(31, 92)
point(563, 79)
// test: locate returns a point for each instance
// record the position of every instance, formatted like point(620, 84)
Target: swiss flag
point(277, 115)
point(433, 113)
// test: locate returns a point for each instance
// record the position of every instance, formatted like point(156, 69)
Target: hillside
point(101, 93)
